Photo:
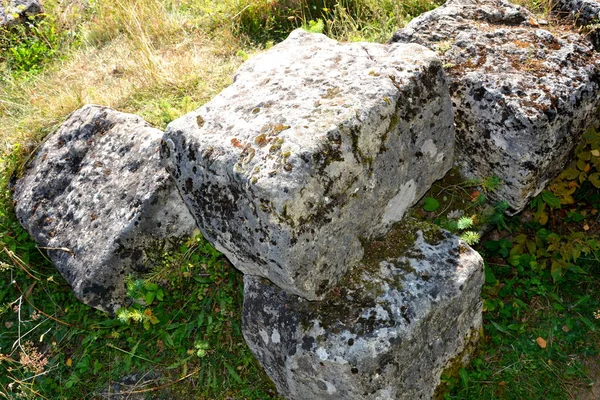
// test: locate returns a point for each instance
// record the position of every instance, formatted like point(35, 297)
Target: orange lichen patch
point(236, 143)
point(521, 44)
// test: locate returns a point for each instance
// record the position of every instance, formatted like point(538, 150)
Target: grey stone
point(409, 311)
point(316, 145)
point(584, 13)
point(522, 95)
point(13, 11)
point(97, 199)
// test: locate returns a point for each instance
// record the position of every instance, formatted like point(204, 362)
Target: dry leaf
point(586, 227)
point(541, 342)
point(69, 362)
point(565, 328)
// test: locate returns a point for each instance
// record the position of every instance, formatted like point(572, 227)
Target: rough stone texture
point(410, 310)
point(522, 95)
point(316, 145)
point(13, 11)
point(584, 13)
point(97, 198)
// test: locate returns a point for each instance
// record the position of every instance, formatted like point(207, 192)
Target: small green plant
point(540, 294)
point(25, 48)
point(450, 199)
point(314, 26)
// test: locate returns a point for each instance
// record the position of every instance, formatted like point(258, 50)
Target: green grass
point(181, 334)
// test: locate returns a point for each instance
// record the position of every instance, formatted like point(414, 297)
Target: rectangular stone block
point(97, 199)
point(523, 94)
point(316, 145)
point(409, 311)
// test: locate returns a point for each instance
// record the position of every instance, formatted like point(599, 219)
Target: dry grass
point(160, 59)
point(133, 54)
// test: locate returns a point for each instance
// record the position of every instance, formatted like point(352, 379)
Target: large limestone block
point(410, 310)
point(97, 199)
point(316, 145)
point(523, 95)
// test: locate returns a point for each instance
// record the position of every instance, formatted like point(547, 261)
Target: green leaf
point(464, 377)
point(577, 269)
point(575, 216)
point(149, 297)
point(431, 204)
point(557, 270)
point(465, 223)
point(550, 199)
point(470, 237)
point(490, 278)
point(233, 374)
point(589, 323)
point(168, 339)
point(499, 327)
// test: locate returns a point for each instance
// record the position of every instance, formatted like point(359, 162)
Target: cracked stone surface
point(14, 11)
point(408, 311)
point(522, 95)
point(315, 145)
point(97, 199)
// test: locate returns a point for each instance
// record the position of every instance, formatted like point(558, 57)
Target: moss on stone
point(459, 361)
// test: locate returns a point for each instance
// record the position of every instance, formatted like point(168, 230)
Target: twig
point(66, 250)
point(19, 262)
point(131, 354)
point(139, 380)
point(26, 385)
point(18, 341)
point(241, 11)
point(43, 313)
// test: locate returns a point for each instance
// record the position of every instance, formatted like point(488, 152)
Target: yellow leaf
point(595, 153)
point(541, 342)
point(595, 179)
point(69, 362)
point(569, 174)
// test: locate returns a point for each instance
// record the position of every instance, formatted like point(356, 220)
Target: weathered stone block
point(411, 309)
point(522, 95)
point(96, 198)
point(315, 145)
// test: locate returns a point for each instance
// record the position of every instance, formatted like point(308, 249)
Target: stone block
point(316, 145)
point(96, 198)
point(522, 95)
point(410, 310)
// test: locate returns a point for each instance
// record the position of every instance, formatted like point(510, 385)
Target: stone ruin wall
point(302, 172)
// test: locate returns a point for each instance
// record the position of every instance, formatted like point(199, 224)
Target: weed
point(540, 295)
